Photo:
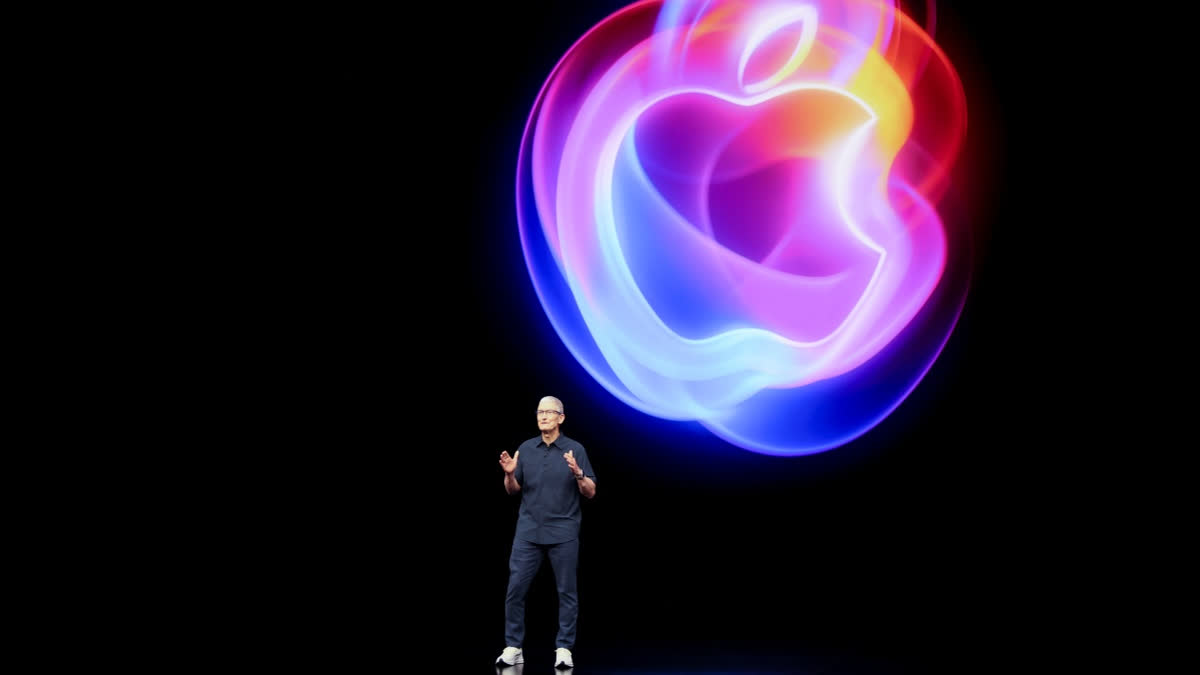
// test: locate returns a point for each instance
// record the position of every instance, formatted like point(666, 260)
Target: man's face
point(549, 416)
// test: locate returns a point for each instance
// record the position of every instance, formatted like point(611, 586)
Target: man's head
point(549, 414)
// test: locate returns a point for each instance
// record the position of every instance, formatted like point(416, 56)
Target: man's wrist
point(579, 476)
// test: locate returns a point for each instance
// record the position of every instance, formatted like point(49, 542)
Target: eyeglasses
point(549, 412)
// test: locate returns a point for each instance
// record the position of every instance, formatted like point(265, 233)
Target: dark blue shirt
point(550, 498)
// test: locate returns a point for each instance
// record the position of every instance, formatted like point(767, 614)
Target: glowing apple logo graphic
point(727, 209)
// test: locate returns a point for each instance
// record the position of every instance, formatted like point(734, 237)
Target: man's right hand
point(509, 464)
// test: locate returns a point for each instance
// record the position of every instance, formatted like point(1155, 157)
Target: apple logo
point(716, 220)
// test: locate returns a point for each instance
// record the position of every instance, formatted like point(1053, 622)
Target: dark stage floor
point(725, 659)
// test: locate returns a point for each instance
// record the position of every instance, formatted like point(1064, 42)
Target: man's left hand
point(570, 457)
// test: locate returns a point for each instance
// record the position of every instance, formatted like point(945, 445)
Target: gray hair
point(558, 402)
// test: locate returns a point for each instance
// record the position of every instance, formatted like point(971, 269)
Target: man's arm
point(587, 487)
point(509, 464)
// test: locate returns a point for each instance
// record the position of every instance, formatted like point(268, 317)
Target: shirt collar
point(561, 441)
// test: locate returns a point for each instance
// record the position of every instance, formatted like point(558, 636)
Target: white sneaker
point(562, 658)
point(511, 656)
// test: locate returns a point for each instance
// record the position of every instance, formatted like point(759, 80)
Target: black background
point(916, 544)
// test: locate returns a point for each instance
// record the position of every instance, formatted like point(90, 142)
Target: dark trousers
point(523, 565)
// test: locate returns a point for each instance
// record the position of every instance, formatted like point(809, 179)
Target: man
point(550, 477)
